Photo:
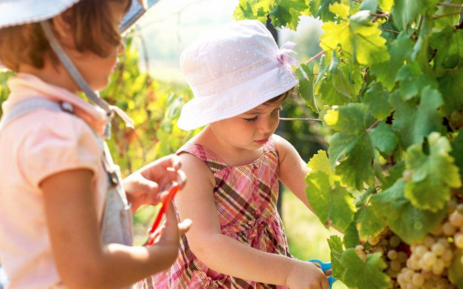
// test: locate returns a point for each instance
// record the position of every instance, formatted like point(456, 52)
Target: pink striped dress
point(245, 198)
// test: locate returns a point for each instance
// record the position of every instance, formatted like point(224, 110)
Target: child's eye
point(251, 119)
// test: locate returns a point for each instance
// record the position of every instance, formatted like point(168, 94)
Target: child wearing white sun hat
point(240, 78)
point(66, 213)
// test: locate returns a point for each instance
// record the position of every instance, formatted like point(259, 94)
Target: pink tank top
point(245, 198)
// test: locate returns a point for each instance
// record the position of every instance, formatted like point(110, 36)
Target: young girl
point(65, 216)
point(239, 78)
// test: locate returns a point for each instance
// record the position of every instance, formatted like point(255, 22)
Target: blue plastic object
point(325, 266)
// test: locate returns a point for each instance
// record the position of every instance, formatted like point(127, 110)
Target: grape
point(438, 267)
point(429, 258)
point(396, 266)
point(437, 231)
point(460, 208)
point(359, 249)
point(452, 205)
point(418, 279)
point(392, 255)
point(429, 241)
point(448, 255)
point(456, 219)
point(444, 242)
point(459, 240)
point(408, 275)
point(394, 241)
point(373, 240)
point(438, 249)
point(420, 250)
point(402, 257)
point(448, 229)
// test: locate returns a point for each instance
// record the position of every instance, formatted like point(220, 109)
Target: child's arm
point(226, 255)
point(81, 260)
point(293, 169)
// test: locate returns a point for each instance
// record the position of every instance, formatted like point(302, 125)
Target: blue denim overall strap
point(116, 221)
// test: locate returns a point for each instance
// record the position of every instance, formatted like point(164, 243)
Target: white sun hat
point(17, 12)
point(232, 70)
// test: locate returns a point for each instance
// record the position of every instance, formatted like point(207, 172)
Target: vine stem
point(300, 118)
point(392, 31)
point(446, 15)
point(450, 5)
point(373, 125)
point(315, 57)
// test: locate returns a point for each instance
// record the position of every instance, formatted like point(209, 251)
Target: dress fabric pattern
point(245, 199)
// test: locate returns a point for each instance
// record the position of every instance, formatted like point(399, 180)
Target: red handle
point(165, 203)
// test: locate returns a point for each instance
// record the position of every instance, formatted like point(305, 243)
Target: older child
point(66, 220)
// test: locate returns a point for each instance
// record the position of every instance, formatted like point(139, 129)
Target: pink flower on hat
point(232, 70)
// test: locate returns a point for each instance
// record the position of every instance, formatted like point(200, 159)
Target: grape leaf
point(404, 219)
point(412, 80)
point(433, 174)
point(377, 99)
point(360, 40)
point(333, 203)
point(456, 268)
point(457, 152)
point(364, 275)
point(351, 236)
point(451, 86)
point(399, 50)
point(384, 138)
point(321, 8)
point(369, 223)
point(405, 12)
point(355, 140)
point(306, 87)
point(395, 173)
point(414, 121)
point(336, 250)
point(370, 5)
point(320, 162)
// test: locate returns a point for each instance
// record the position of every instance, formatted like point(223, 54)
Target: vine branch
point(300, 118)
point(315, 57)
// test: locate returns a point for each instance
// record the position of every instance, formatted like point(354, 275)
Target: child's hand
point(173, 230)
point(149, 185)
point(306, 275)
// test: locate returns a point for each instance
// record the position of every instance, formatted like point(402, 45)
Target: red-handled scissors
point(153, 233)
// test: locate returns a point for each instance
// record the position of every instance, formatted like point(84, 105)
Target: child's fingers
point(184, 226)
point(171, 231)
point(177, 176)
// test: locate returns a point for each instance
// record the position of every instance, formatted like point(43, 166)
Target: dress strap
point(214, 162)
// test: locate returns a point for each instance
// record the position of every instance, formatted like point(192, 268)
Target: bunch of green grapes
point(395, 253)
point(427, 266)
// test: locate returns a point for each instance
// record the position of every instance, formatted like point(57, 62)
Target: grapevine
point(388, 84)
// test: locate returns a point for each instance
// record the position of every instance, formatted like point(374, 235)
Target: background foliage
point(389, 89)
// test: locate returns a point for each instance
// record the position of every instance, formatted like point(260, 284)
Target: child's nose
point(267, 126)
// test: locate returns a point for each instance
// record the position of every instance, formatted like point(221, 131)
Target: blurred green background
point(148, 85)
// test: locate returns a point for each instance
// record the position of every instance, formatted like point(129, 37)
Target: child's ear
point(63, 30)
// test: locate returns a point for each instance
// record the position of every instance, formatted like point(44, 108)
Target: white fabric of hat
point(232, 70)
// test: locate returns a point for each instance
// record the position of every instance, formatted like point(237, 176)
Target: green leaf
point(282, 16)
point(408, 76)
point(336, 250)
point(377, 99)
point(364, 275)
point(360, 40)
point(433, 174)
point(351, 236)
point(456, 268)
point(369, 223)
point(384, 138)
point(306, 87)
point(457, 152)
point(321, 8)
point(413, 121)
point(395, 173)
point(357, 142)
point(405, 12)
point(370, 5)
point(363, 199)
point(404, 219)
point(451, 86)
point(333, 203)
point(399, 50)
point(320, 162)
point(342, 10)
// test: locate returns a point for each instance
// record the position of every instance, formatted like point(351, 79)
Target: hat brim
point(135, 12)
point(201, 111)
